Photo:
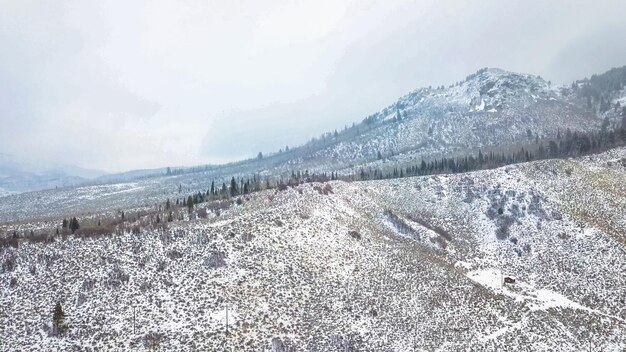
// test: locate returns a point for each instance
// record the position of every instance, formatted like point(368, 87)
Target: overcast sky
point(118, 85)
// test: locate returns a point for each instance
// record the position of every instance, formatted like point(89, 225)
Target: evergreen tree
point(74, 224)
point(64, 224)
point(58, 320)
point(233, 187)
point(190, 204)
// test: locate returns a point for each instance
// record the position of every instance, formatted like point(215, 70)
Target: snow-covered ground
point(394, 265)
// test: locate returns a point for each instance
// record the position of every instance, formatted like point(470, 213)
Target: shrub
point(354, 234)
point(216, 259)
point(89, 232)
point(174, 254)
point(152, 340)
point(9, 264)
point(117, 277)
point(10, 241)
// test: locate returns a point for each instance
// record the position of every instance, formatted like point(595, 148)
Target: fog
point(123, 85)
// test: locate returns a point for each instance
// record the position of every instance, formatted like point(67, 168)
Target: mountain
point(490, 108)
point(17, 176)
point(397, 265)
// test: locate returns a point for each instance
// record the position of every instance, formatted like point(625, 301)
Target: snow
point(481, 106)
point(306, 281)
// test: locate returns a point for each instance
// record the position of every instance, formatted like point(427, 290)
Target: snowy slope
point(394, 265)
point(491, 107)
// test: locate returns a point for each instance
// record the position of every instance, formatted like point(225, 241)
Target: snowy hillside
point(491, 107)
point(396, 265)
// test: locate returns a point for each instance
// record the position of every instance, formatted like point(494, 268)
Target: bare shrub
point(88, 284)
point(354, 234)
point(502, 232)
point(152, 340)
point(9, 264)
point(216, 259)
point(13, 282)
point(9, 241)
point(219, 205)
point(247, 237)
point(116, 277)
point(174, 254)
point(94, 231)
point(40, 238)
point(283, 345)
point(202, 213)
point(145, 286)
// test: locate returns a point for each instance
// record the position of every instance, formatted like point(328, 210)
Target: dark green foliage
point(233, 187)
point(58, 320)
point(74, 225)
point(190, 203)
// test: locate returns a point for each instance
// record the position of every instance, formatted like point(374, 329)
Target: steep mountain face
point(395, 265)
point(491, 107)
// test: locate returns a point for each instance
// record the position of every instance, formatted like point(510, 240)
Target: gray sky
point(119, 85)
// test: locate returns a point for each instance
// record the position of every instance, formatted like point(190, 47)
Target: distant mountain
point(491, 108)
point(18, 176)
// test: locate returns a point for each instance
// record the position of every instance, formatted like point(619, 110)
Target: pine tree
point(190, 204)
point(64, 224)
point(58, 319)
point(233, 187)
point(74, 224)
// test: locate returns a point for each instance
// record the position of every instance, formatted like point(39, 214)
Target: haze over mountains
point(489, 108)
